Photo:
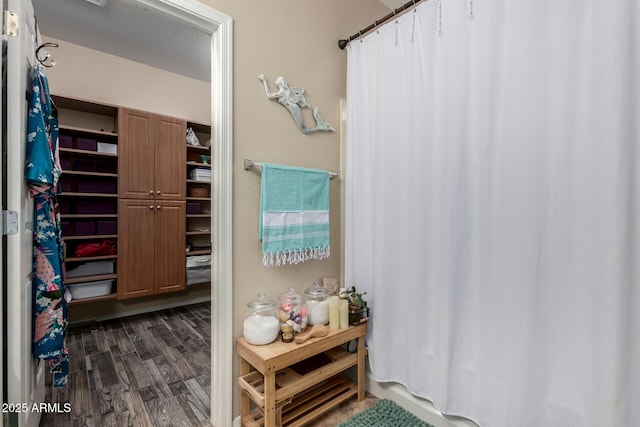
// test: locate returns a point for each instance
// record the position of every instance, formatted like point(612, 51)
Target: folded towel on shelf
point(201, 174)
point(200, 171)
point(294, 214)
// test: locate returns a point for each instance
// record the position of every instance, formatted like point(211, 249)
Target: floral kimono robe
point(42, 173)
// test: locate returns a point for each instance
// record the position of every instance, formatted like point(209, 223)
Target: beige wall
point(96, 76)
point(298, 40)
point(295, 39)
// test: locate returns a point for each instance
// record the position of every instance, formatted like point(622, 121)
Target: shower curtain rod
point(342, 43)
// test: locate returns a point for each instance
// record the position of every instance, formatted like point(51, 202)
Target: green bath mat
point(385, 413)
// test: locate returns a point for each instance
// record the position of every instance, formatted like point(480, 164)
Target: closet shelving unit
point(102, 187)
point(88, 198)
point(199, 207)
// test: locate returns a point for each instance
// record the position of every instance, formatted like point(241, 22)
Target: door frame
point(3, 203)
point(25, 374)
point(220, 26)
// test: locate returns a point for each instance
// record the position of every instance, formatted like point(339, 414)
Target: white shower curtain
point(493, 207)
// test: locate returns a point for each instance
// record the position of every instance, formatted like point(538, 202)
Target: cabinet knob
point(150, 191)
point(151, 207)
point(158, 192)
point(158, 207)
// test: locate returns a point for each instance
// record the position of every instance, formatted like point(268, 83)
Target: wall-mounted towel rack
point(248, 164)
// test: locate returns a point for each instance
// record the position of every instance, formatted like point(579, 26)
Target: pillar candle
point(344, 314)
point(334, 312)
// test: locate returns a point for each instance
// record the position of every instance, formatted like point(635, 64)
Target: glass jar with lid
point(261, 325)
point(293, 310)
point(317, 300)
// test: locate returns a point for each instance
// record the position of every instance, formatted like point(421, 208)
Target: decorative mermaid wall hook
point(293, 100)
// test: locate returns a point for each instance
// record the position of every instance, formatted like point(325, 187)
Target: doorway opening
point(219, 27)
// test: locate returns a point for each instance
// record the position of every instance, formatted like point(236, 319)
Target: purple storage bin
point(85, 228)
point(96, 207)
point(86, 144)
point(84, 166)
point(64, 205)
point(65, 141)
point(66, 185)
point(67, 229)
point(107, 167)
point(193, 207)
point(97, 186)
point(106, 227)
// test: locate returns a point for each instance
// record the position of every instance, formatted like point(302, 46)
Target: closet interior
point(135, 202)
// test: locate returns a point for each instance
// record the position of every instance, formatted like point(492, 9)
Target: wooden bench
point(291, 384)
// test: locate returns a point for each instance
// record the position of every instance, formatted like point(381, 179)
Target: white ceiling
point(129, 29)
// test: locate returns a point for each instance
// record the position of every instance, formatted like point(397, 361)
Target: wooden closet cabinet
point(151, 248)
point(152, 204)
point(152, 161)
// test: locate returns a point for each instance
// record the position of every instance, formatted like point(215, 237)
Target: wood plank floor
point(148, 370)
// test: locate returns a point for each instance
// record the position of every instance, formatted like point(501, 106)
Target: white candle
point(344, 314)
point(334, 312)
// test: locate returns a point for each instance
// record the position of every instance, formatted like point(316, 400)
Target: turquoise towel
point(294, 214)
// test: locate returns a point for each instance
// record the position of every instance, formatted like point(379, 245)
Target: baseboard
point(421, 408)
point(142, 310)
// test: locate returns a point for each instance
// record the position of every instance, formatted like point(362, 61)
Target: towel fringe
point(276, 259)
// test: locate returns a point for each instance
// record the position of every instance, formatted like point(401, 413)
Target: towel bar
point(248, 164)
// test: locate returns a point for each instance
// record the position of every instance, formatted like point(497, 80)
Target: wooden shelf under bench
point(310, 404)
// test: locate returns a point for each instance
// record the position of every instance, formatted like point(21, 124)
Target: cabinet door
point(170, 158)
point(136, 248)
point(135, 158)
point(170, 256)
